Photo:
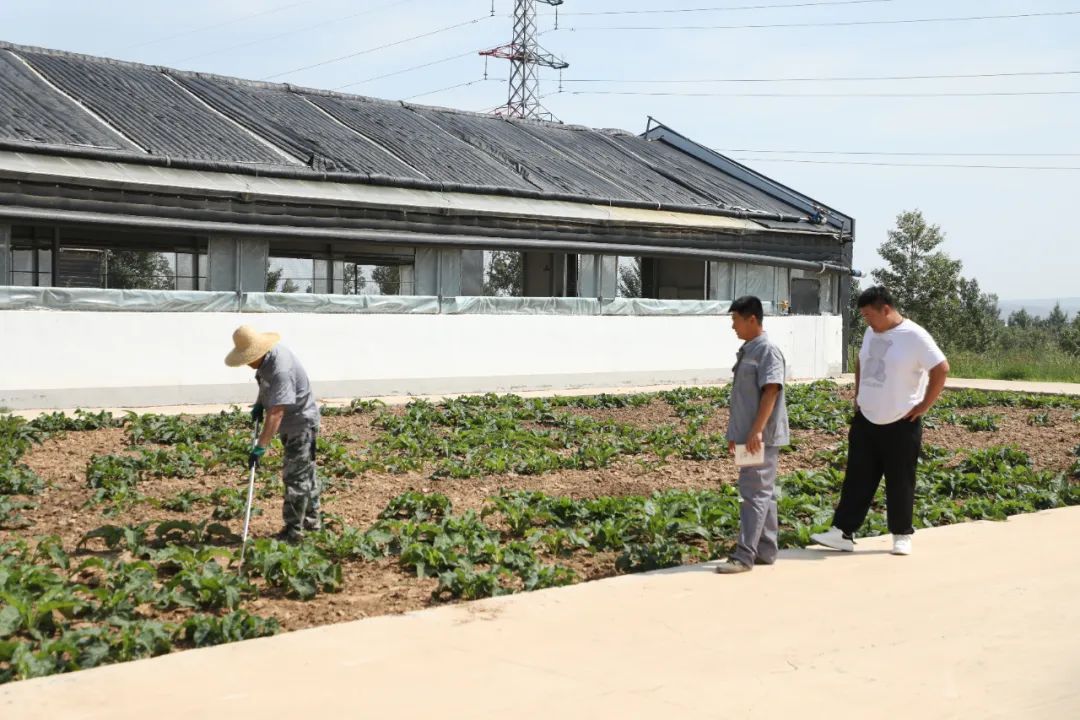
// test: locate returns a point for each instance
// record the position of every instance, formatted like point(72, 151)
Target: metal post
point(5, 255)
point(236, 256)
point(195, 265)
point(55, 272)
point(438, 277)
point(597, 276)
point(329, 270)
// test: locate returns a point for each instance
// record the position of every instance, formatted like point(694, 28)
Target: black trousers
point(874, 450)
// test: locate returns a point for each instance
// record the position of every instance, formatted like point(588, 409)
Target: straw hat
point(249, 346)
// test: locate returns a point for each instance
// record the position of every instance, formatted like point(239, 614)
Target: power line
point(910, 165)
point(379, 47)
point(440, 61)
point(826, 95)
point(845, 78)
point(452, 87)
point(471, 53)
point(832, 23)
point(898, 154)
point(294, 32)
point(666, 11)
point(249, 16)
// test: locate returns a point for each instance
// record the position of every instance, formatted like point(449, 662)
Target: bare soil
point(377, 588)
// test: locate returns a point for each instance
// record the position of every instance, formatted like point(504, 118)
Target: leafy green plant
point(350, 543)
point(184, 501)
point(230, 503)
point(132, 538)
point(11, 516)
point(994, 460)
point(417, 506)
point(80, 421)
point(18, 479)
point(181, 430)
point(467, 583)
point(207, 630)
point(981, 423)
point(655, 555)
point(356, 407)
point(114, 479)
point(201, 583)
point(1041, 419)
point(301, 570)
point(183, 532)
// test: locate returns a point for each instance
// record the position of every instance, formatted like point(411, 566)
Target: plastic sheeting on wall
point(519, 306)
point(92, 299)
point(648, 306)
point(336, 304)
point(37, 298)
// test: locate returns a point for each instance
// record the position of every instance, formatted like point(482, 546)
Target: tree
point(927, 286)
point(1020, 319)
point(1057, 319)
point(138, 269)
point(976, 320)
point(923, 280)
point(354, 281)
point(630, 278)
point(388, 278)
point(504, 276)
point(273, 277)
point(854, 318)
point(1069, 340)
point(290, 286)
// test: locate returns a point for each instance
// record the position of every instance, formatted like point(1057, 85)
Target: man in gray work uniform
point(288, 405)
point(758, 420)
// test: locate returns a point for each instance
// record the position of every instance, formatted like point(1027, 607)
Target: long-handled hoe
point(250, 497)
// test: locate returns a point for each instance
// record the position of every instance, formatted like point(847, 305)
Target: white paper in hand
point(745, 458)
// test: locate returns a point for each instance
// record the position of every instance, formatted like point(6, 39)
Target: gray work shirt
point(759, 363)
point(283, 381)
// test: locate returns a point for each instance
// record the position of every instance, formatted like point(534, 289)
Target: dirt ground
point(376, 588)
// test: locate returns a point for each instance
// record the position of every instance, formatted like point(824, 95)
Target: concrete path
point(1053, 388)
point(981, 622)
point(1009, 385)
point(1020, 386)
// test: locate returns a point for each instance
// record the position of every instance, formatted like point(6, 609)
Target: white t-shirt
point(893, 371)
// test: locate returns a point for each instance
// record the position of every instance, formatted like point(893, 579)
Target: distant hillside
point(1040, 308)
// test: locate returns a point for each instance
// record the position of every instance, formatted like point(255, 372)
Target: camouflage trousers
point(302, 486)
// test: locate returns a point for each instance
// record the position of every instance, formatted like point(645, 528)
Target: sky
point(1012, 228)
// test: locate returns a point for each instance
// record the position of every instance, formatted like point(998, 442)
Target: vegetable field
point(120, 534)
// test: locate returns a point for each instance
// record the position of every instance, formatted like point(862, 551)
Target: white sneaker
point(834, 539)
point(901, 544)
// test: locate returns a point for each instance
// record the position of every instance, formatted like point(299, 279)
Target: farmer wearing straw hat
point(286, 401)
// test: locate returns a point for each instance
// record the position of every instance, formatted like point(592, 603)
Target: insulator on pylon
point(525, 56)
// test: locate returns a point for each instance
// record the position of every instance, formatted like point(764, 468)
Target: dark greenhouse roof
point(62, 102)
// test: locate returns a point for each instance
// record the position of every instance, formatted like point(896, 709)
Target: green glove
point(257, 412)
point(255, 456)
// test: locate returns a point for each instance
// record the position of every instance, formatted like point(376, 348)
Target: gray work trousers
point(758, 526)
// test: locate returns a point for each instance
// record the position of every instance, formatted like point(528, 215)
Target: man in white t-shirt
point(899, 375)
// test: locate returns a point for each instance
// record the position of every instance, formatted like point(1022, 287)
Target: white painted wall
point(99, 359)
